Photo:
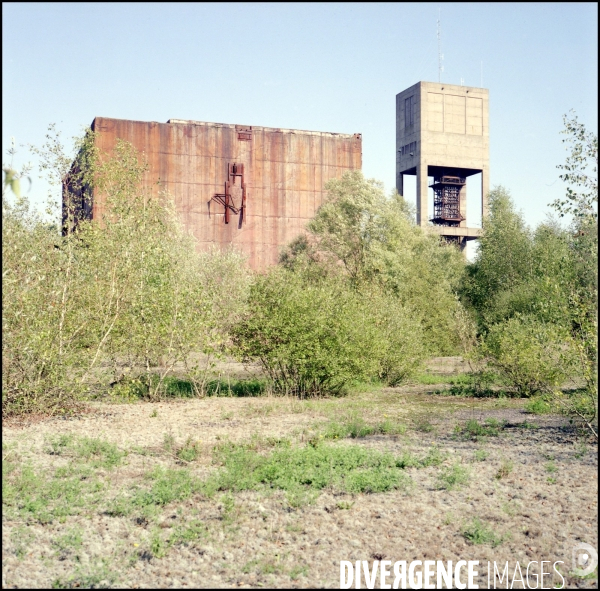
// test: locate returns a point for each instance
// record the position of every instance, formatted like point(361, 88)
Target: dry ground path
point(529, 482)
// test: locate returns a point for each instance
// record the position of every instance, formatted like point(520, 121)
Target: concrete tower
point(442, 132)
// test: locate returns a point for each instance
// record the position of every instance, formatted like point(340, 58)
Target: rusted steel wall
point(284, 171)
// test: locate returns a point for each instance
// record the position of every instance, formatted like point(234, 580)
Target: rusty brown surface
point(284, 174)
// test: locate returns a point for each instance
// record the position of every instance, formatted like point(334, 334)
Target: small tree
point(532, 356)
point(368, 238)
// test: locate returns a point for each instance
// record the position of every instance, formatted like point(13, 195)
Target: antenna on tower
point(439, 38)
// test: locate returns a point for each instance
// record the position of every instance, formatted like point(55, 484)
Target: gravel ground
point(534, 485)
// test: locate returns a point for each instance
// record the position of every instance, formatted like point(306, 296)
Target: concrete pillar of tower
point(463, 206)
point(422, 194)
point(400, 184)
point(485, 189)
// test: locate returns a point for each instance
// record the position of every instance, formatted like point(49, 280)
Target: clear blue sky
point(325, 67)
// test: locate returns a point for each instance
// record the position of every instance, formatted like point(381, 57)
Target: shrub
point(317, 337)
point(531, 356)
point(127, 292)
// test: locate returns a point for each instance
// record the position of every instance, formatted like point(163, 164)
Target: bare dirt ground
point(534, 485)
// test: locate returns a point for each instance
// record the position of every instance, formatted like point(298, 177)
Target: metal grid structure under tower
point(446, 200)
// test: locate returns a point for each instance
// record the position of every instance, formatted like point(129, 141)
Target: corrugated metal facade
point(284, 172)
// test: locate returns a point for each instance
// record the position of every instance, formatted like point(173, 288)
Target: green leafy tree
point(580, 171)
point(121, 296)
point(368, 238)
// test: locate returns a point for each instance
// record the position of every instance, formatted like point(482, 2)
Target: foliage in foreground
point(534, 293)
point(316, 337)
point(370, 239)
point(106, 301)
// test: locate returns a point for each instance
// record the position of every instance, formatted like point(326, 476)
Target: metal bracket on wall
point(234, 197)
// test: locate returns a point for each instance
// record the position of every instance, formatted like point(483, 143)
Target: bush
point(371, 240)
point(531, 356)
point(311, 339)
point(119, 300)
point(316, 338)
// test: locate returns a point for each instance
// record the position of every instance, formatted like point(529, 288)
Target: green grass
point(70, 542)
point(477, 532)
point(480, 455)
point(97, 575)
point(538, 406)
point(355, 426)
point(138, 388)
point(481, 384)
point(474, 430)
point(431, 379)
point(453, 477)
point(37, 496)
point(99, 453)
point(311, 468)
point(238, 388)
point(506, 467)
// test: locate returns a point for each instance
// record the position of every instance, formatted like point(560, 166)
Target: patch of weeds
point(167, 486)
point(302, 470)
point(226, 416)
point(263, 566)
point(298, 571)
point(168, 442)
point(580, 450)
point(480, 455)
point(479, 384)
point(453, 477)
point(478, 532)
point(159, 546)
point(259, 410)
point(154, 414)
point(189, 451)
point(551, 467)
point(356, 427)
point(227, 508)
point(527, 425)
point(551, 480)
point(190, 532)
point(474, 430)
point(45, 496)
point(96, 575)
point(424, 425)
point(100, 454)
point(344, 505)
point(538, 406)
point(150, 386)
point(430, 379)
point(434, 457)
point(294, 528)
point(511, 508)
point(21, 538)
point(506, 467)
point(69, 543)
point(59, 445)
point(448, 519)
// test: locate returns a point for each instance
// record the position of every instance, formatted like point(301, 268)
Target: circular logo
point(585, 559)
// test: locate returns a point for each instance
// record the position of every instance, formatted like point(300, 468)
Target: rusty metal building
point(254, 188)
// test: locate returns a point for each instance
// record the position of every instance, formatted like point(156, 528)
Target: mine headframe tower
point(442, 133)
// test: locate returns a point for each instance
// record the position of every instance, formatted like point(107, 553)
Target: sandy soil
point(544, 505)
